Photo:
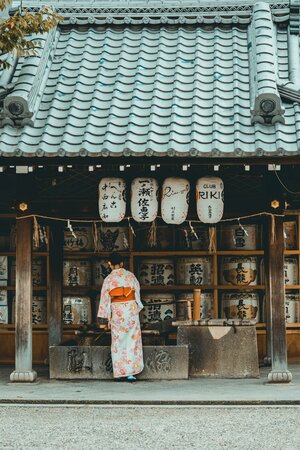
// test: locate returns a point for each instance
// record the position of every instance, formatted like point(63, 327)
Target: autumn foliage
point(16, 27)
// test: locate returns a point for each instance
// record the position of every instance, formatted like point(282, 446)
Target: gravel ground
point(142, 428)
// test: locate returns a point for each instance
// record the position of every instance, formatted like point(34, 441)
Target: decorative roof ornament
point(266, 106)
point(21, 96)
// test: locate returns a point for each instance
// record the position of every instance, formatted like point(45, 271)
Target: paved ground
point(193, 391)
point(141, 428)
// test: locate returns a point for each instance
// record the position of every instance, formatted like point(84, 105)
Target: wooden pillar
point(55, 326)
point(267, 357)
point(276, 301)
point(23, 369)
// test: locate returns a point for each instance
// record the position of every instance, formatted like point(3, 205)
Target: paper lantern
point(210, 199)
point(144, 203)
point(175, 200)
point(112, 199)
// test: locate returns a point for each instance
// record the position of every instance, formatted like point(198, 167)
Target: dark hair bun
point(115, 259)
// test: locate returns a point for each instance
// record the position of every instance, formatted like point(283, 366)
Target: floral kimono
point(126, 338)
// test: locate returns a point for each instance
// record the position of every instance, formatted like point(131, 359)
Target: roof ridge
point(163, 11)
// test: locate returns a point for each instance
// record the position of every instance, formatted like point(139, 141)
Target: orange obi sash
point(122, 294)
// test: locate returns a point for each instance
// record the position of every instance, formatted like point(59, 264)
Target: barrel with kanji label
point(240, 305)
point(77, 272)
point(239, 270)
point(195, 271)
point(156, 272)
point(237, 237)
point(77, 310)
point(158, 307)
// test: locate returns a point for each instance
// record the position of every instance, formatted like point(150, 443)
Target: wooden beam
point(55, 283)
point(23, 370)
point(279, 372)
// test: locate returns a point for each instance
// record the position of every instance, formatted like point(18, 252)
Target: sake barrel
point(210, 199)
point(144, 199)
point(292, 307)
point(156, 272)
point(3, 314)
point(77, 272)
point(113, 239)
point(3, 297)
point(77, 310)
point(83, 240)
point(239, 270)
point(142, 239)
point(290, 271)
point(195, 271)
point(206, 305)
point(158, 307)
point(3, 268)
point(112, 199)
point(175, 200)
point(39, 310)
point(290, 235)
point(240, 305)
point(38, 272)
point(235, 237)
point(100, 271)
point(197, 239)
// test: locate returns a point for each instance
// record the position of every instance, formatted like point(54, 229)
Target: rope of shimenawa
point(152, 232)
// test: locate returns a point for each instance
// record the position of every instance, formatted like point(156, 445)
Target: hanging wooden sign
point(175, 200)
point(210, 199)
point(112, 199)
point(144, 202)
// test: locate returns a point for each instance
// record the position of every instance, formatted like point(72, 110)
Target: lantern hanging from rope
point(175, 200)
point(112, 199)
point(210, 199)
point(144, 202)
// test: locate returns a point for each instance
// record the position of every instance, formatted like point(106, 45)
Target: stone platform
point(94, 362)
point(220, 350)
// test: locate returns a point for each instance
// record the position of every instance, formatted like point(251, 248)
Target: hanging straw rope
point(36, 235)
point(95, 237)
point(61, 219)
point(152, 235)
point(212, 237)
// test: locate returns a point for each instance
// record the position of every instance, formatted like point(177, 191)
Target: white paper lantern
point(210, 199)
point(175, 200)
point(112, 199)
point(144, 203)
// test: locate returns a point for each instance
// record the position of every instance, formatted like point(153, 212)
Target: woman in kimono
point(120, 304)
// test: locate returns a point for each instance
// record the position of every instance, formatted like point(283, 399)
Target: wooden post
point(279, 372)
point(23, 370)
point(267, 357)
point(56, 241)
point(197, 301)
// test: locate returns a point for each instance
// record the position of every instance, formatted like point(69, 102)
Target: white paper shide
point(210, 199)
point(144, 199)
point(175, 200)
point(112, 199)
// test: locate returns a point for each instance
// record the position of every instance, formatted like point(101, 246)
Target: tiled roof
point(164, 90)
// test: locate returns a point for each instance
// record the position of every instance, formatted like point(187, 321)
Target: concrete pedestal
point(220, 351)
point(161, 363)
